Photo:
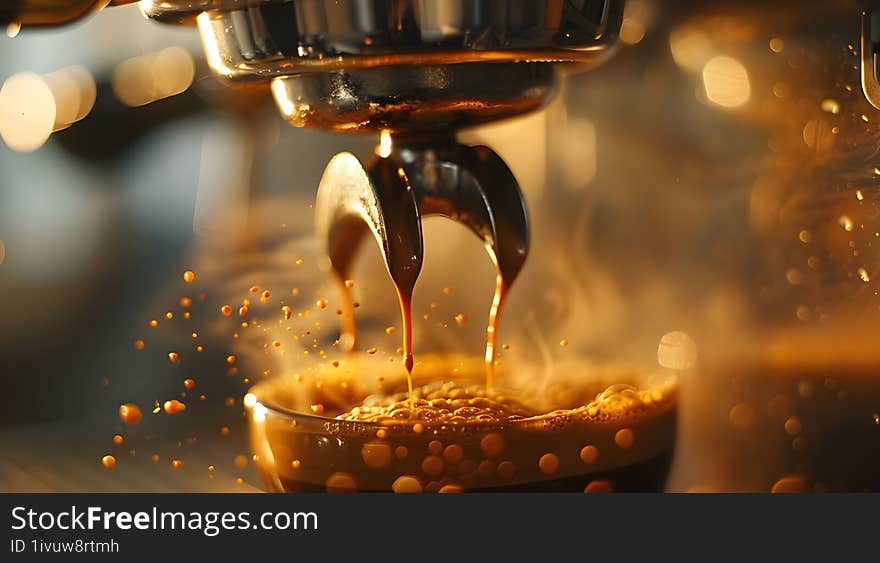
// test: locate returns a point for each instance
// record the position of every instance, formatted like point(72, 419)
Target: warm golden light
point(209, 43)
point(74, 91)
point(726, 82)
point(294, 111)
point(280, 94)
point(830, 105)
point(12, 29)
point(27, 112)
point(632, 31)
point(676, 351)
point(385, 145)
point(147, 78)
point(817, 134)
point(2, 252)
point(634, 24)
point(637, 15)
point(579, 154)
point(690, 48)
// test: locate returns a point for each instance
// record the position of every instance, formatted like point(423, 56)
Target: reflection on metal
point(870, 50)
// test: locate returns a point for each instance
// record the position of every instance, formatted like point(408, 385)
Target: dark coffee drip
point(470, 185)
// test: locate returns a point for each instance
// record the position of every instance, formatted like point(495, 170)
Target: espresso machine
point(412, 75)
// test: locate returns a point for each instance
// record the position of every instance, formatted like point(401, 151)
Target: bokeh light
point(147, 78)
point(690, 48)
point(33, 106)
point(27, 112)
point(726, 82)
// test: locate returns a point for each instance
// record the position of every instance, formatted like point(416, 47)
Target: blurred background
point(716, 181)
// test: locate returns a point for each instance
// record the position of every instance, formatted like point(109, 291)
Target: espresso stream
point(389, 202)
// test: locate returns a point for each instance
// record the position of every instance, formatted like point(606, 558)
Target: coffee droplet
point(432, 466)
point(450, 489)
point(676, 351)
point(340, 483)
point(549, 464)
point(453, 454)
point(401, 452)
point(624, 438)
point(486, 469)
point(226, 310)
point(790, 484)
point(407, 484)
point(189, 276)
point(173, 406)
point(506, 469)
point(492, 444)
point(108, 461)
point(740, 416)
point(793, 426)
point(130, 413)
point(599, 486)
point(176, 463)
point(376, 455)
point(118, 439)
point(589, 454)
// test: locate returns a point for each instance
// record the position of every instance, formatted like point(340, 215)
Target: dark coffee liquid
point(454, 439)
point(648, 476)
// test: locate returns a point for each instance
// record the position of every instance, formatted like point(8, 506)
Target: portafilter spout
point(388, 198)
